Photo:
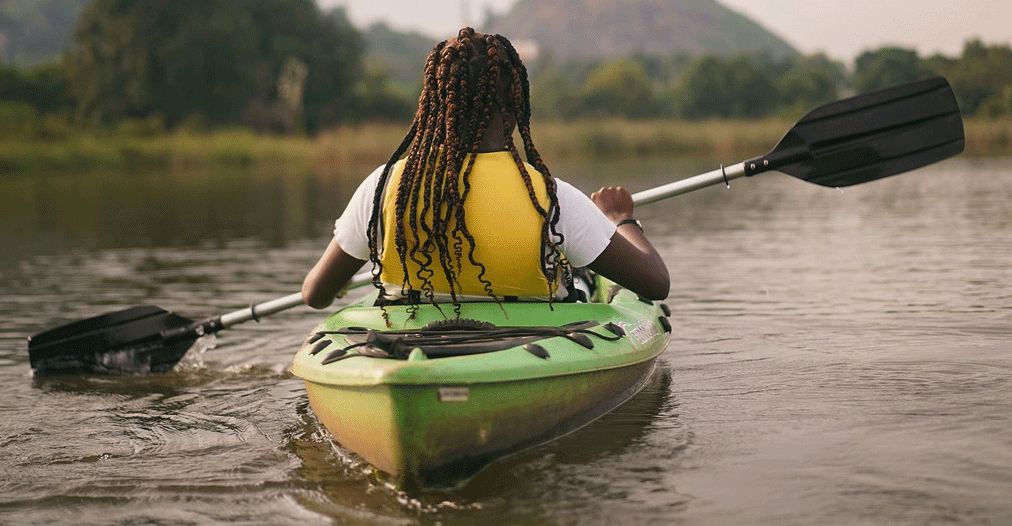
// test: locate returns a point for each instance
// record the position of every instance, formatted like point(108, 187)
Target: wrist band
point(630, 221)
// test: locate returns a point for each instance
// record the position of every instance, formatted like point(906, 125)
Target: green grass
point(344, 149)
point(619, 137)
point(988, 137)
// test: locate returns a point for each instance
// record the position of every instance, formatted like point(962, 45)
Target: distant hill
point(572, 29)
point(34, 31)
point(399, 55)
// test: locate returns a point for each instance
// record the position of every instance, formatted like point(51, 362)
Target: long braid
point(483, 100)
point(465, 80)
point(409, 144)
point(470, 132)
point(552, 259)
point(434, 178)
point(416, 166)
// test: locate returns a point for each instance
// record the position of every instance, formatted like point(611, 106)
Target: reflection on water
point(109, 210)
point(839, 357)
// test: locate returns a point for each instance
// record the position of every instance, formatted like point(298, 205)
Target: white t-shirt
point(586, 231)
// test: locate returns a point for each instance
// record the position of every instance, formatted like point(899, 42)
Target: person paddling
point(457, 215)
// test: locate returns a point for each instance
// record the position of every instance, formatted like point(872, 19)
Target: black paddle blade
point(870, 136)
point(129, 341)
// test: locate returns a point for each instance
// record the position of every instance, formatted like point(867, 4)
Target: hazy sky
point(840, 28)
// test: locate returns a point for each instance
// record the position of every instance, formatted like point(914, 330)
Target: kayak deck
point(433, 404)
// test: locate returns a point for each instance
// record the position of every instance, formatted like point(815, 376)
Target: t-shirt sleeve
point(585, 229)
point(351, 229)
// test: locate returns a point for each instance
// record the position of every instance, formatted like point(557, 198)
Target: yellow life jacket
point(501, 218)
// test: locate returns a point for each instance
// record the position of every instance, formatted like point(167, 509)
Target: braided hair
point(466, 80)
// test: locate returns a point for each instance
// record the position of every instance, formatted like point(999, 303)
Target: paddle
point(843, 143)
point(852, 141)
point(139, 339)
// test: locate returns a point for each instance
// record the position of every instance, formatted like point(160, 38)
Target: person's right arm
point(331, 273)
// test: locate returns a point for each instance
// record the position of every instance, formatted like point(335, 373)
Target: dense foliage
point(44, 89)
point(981, 78)
point(748, 87)
point(278, 64)
point(284, 65)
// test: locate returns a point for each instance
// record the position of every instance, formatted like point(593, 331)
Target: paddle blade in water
point(129, 341)
point(870, 136)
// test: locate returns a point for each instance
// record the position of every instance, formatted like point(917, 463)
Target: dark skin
point(629, 259)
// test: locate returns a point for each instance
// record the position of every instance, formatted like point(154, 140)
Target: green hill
point(571, 29)
point(33, 31)
point(398, 55)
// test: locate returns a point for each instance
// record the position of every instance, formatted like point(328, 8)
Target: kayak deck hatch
point(465, 337)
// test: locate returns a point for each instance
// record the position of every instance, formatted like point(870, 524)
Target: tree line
point(282, 65)
point(714, 87)
point(287, 66)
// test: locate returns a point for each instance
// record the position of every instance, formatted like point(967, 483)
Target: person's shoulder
point(562, 187)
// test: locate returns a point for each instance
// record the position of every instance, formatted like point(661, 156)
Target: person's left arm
point(629, 259)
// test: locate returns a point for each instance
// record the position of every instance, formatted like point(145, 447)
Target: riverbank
point(372, 144)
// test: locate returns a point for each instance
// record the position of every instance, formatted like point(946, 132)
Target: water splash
point(194, 359)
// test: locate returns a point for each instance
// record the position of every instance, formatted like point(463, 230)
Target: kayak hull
point(435, 421)
point(408, 432)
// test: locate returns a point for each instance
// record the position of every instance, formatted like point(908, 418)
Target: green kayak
point(430, 401)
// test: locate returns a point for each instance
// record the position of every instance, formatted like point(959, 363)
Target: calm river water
point(839, 357)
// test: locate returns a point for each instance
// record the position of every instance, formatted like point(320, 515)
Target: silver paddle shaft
point(723, 174)
point(262, 310)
